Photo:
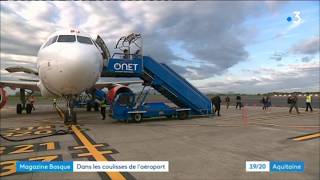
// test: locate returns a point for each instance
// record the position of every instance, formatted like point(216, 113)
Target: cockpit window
point(51, 41)
point(66, 38)
point(54, 39)
point(84, 40)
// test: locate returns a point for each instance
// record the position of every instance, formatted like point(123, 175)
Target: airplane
point(68, 63)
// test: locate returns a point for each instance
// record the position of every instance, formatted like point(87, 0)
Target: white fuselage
point(68, 68)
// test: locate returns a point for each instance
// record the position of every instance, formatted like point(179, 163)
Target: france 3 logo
point(295, 18)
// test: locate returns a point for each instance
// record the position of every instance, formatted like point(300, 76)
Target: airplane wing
point(21, 69)
point(109, 85)
point(31, 85)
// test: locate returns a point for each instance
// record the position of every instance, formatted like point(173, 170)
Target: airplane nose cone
point(79, 69)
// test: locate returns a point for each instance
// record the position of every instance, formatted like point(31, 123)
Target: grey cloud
point(208, 30)
point(211, 31)
point(18, 36)
point(278, 56)
point(307, 46)
point(301, 79)
point(306, 58)
point(275, 5)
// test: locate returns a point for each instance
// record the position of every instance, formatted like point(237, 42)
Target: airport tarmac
point(197, 148)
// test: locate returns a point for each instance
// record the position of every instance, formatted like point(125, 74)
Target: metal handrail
point(130, 55)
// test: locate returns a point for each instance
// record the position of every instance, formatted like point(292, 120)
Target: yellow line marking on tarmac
point(307, 137)
point(82, 147)
point(89, 154)
point(97, 155)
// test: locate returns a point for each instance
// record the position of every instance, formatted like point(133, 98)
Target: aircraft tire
point(66, 118)
point(19, 108)
point(74, 118)
point(29, 108)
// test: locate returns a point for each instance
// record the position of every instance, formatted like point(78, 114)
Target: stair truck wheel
point(137, 117)
point(29, 108)
point(19, 108)
point(183, 115)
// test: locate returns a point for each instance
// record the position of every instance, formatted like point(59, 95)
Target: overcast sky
point(245, 47)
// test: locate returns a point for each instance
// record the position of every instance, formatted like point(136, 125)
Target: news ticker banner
point(143, 166)
point(92, 166)
point(275, 166)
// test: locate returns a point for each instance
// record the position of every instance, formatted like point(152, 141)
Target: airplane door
point(103, 47)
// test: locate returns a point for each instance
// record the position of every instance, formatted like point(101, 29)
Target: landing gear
point(70, 117)
point(29, 108)
point(19, 108)
point(23, 105)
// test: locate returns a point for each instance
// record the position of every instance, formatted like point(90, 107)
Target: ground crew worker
point(126, 54)
point(268, 103)
point(238, 99)
point(216, 101)
point(54, 102)
point(227, 102)
point(308, 102)
point(103, 107)
point(31, 99)
point(264, 103)
point(293, 101)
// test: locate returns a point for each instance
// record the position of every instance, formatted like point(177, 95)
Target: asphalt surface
point(198, 148)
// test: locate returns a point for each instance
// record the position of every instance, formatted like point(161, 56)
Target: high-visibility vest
point(308, 99)
point(54, 100)
point(104, 104)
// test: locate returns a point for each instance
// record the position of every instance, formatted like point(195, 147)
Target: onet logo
point(125, 66)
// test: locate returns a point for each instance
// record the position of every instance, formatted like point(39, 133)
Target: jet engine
point(113, 92)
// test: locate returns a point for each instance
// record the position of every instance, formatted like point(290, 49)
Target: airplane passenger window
point(66, 38)
point(85, 40)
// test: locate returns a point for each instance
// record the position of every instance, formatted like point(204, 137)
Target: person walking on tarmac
point(264, 103)
point(238, 99)
point(103, 107)
point(293, 101)
point(308, 102)
point(227, 102)
point(216, 101)
point(268, 104)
